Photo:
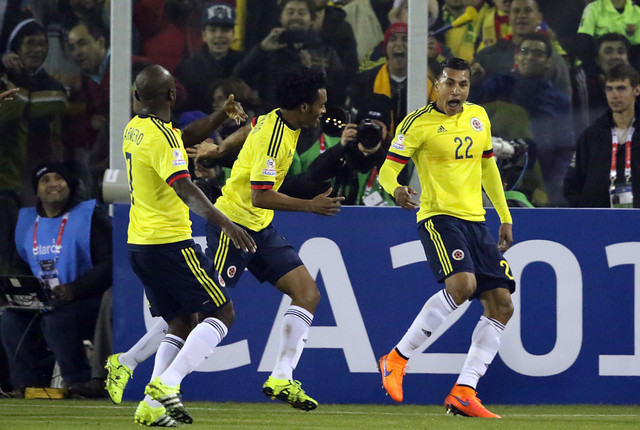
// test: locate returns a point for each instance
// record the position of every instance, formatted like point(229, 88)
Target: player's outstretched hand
point(322, 204)
point(234, 110)
point(505, 237)
point(239, 237)
point(403, 198)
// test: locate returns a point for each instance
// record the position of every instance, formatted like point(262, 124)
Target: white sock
point(432, 315)
point(295, 330)
point(198, 347)
point(485, 342)
point(169, 347)
point(146, 346)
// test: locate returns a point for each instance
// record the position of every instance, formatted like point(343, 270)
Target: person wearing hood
point(67, 243)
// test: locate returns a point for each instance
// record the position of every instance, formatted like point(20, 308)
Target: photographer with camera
point(293, 44)
point(348, 164)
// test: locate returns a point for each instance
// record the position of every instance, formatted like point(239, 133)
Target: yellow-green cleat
point(290, 392)
point(153, 417)
point(170, 399)
point(117, 377)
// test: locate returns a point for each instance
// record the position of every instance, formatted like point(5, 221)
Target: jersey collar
point(279, 113)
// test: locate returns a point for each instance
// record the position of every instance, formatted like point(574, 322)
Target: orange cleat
point(391, 367)
point(462, 400)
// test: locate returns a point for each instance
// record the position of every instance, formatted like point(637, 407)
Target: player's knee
point(461, 287)
point(226, 314)
point(306, 296)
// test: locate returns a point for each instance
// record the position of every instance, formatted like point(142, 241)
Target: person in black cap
point(67, 243)
point(214, 61)
point(350, 167)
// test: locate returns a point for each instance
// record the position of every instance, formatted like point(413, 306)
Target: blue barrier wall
point(574, 337)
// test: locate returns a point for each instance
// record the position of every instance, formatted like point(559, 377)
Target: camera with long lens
point(369, 133)
point(335, 120)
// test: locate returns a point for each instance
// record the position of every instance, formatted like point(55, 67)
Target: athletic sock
point(485, 342)
point(198, 347)
point(169, 348)
point(146, 346)
point(295, 331)
point(432, 315)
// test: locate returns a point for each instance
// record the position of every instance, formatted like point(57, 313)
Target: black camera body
point(295, 38)
point(369, 133)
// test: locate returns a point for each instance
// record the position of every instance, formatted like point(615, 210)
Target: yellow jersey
point(448, 153)
point(155, 158)
point(263, 163)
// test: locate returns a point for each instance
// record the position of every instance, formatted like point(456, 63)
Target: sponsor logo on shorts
point(231, 272)
point(457, 254)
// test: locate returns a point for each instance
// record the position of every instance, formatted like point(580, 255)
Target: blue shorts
point(454, 245)
point(178, 279)
point(273, 259)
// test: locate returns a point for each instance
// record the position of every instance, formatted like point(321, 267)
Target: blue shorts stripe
point(202, 277)
point(442, 252)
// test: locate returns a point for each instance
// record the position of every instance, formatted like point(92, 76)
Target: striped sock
point(432, 315)
point(485, 342)
point(295, 330)
point(146, 346)
point(198, 347)
point(167, 351)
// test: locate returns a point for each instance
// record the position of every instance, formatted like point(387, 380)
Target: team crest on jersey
point(476, 124)
point(457, 254)
point(398, 142)
point(178, 159)
point(221, 281)
point(270, 169)
point(231, 272)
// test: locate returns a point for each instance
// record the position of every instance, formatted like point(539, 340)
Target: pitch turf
point(79, 414)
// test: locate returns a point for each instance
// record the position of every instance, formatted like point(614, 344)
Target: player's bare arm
point(202, 128)
point(321, 204)
point(505, 236)
point(403, 194)
point(195, 199)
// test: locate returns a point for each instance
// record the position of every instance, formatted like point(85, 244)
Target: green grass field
point(81, 414)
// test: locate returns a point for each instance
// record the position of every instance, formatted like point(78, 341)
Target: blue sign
point(574, 336)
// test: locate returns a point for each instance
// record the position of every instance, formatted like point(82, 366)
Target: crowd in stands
point(543, 70)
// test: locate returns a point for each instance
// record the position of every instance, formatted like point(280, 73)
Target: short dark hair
point(611, 37)
point(454, 63)
point(538, 37)
point(620, 72)
point(311, 5)
point(297, 86)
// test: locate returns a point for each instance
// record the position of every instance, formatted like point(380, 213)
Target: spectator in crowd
point(493, 23)
point(348, 164)
point(77, 270)
point(214, 61)
point(612, 49)
point(549, 109)
point(333, 28)
point(604, 170)
point(525, 17)
point(461, 40)
point(31, 125)
point(87, 141)
point(607, 16)
point(389, 79)
point(58, 17)
point(289, 46)
point(365, 25)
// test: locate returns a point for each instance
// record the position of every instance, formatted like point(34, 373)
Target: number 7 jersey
point(447, 152)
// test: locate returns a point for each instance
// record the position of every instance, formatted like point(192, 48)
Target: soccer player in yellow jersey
point(249, 199)
point(449, 141)
point(176, 275)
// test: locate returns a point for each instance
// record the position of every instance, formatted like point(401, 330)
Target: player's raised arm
point(200, 129)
